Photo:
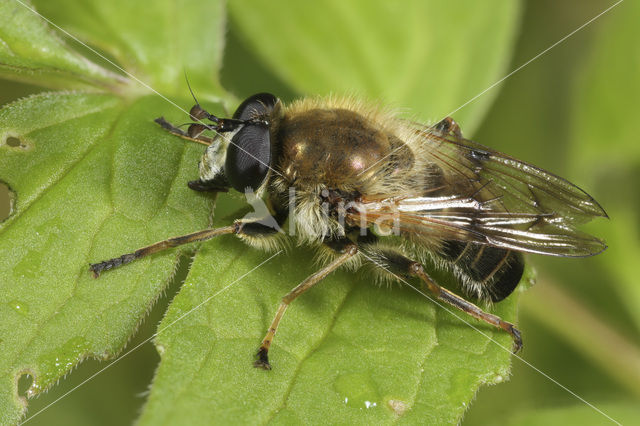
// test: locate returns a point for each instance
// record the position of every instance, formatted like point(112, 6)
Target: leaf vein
point(75, 285)
point(422, 364)
point(308, 354)
point(62, 176)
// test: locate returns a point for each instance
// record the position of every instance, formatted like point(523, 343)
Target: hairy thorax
point(332, 147)
point(330, 156)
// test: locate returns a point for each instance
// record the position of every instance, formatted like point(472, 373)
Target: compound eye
point(255, 106)
point(248, 157)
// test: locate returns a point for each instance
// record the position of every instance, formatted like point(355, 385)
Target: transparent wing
point(485, 196)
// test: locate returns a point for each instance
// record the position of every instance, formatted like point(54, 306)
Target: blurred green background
point(572, 112)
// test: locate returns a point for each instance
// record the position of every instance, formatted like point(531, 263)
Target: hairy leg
point(240, 227)
point(346, 250)
point(398, 264)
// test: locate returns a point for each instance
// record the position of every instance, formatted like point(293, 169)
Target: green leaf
point(158, 43)
point(427, 57)
point(30, 51)
point(92, 176)
point(605, 148)
point(85, 191)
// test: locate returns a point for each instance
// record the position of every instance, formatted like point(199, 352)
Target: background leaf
point(31, 51)
point(426, 57)
point(604, 142)
point(157, 43)
point(579, 414)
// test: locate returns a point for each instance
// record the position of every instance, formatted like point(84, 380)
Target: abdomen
point(487, 272)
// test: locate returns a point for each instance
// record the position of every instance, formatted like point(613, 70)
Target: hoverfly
point(371, 188)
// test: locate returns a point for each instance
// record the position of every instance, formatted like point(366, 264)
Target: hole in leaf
point(7, 198)
point(12, 141)
point(24, 383)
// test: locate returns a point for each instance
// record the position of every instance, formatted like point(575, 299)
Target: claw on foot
point(263, 360)
point(106, 265)
point(95, 269)
point(517, 339)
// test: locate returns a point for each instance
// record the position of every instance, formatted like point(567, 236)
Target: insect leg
point(347, 250)
point(458, 302)
point(217, 184)
point(250, 228)
point(403, 265)
point(206, 234)
point(447, 126)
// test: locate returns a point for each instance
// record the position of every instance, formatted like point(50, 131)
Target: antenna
point(189, 86)
point(197, 113)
